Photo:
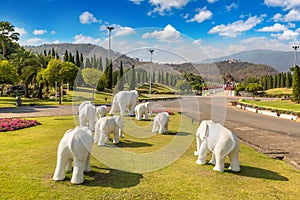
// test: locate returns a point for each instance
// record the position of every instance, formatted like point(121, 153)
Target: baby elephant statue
point(76, 146)
point(215, 138)
point(87, 114)
point(106, 125)
point(142, 110)
point(160, 123)
point(101, 111)
point(125, 101)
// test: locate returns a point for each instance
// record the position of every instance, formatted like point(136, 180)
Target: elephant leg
point(219, 162)
point(131, 110)
point(202, 153)
point(77, 176)
point(102, 138)
point(116, 136)
point(91, 126)
point(96, 136)
point(234, 160)
point(166, 128)
point(146, 116)
point(155, 127)
point(138, 116)
point(87, 163)
point(59, 173)
point(122, 110)
point(213, 159)
point(69, 166)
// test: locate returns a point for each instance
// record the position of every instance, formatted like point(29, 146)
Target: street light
point(151, 52)
point(295, 54)
point(109, 28)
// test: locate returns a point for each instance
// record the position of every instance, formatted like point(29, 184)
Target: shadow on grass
point(130, 144)
point(255, 172)
point(107, 177)
point(177, 133)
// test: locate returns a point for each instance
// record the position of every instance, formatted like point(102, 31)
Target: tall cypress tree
point(77, 61)
point(66, 56)
point(109, 75)
point(296, 84)
point(133, 79)
point(275, 81)
point(121, 78)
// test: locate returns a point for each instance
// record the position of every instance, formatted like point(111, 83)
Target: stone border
point(265, 112)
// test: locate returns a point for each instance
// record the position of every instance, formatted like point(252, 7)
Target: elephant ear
point(203, 130)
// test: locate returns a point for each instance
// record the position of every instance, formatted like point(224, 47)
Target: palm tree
point(7, 36)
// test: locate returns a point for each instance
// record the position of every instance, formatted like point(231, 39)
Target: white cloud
point(293, 15)
point(35, 41)
point(286, 35)
point(121, 31)
point(277, 17)
point(53, 32)
point(39, 32)
point(285, 4)
point(138, 2)
point(231, 6)
point(201, 16)
point(85, 39)
point(212, 1)
point(169, 34)
point(87, 18)
point(275, 28)
point(21, 31)
point(162, 6)
point(236, 28)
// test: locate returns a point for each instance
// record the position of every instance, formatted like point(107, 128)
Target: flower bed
point(159, 111)
point(12, 124)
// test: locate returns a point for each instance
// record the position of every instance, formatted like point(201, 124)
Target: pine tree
point(282, 80)
point(121, 78)
point(66, 56)
point(77, 61)
point(162, 77)
point(110, 75)
point(275, 81)
point(133, 79)
point(296, 84)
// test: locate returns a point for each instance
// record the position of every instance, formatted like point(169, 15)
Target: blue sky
point(219, 27)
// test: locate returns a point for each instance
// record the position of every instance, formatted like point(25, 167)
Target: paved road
point(270, 135)
point(273, 136)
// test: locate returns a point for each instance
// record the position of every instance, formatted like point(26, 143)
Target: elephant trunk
point(196, 153)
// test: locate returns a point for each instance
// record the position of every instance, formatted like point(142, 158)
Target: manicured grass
point(286, 105)
point(28, 159)
point(280, 91)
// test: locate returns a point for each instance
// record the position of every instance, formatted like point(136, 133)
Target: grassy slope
point(28, 159)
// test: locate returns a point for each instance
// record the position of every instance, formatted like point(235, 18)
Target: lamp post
point(151, 52)
point(295, 54)
point(109, 28)
point(109, 69)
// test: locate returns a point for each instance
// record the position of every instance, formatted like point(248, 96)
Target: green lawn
point(286, 105)
point(28, 159)
point(280, 91)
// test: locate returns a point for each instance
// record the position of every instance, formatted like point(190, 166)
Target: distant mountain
point(236, 65)
point(280, 60)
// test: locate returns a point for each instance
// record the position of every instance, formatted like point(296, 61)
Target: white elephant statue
point(87, 114)
point(101, 111)
point(215, 138)
point(143, 109)
point(76, 146)
point(160, 123)
point(125, 101)
point(106, 125)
